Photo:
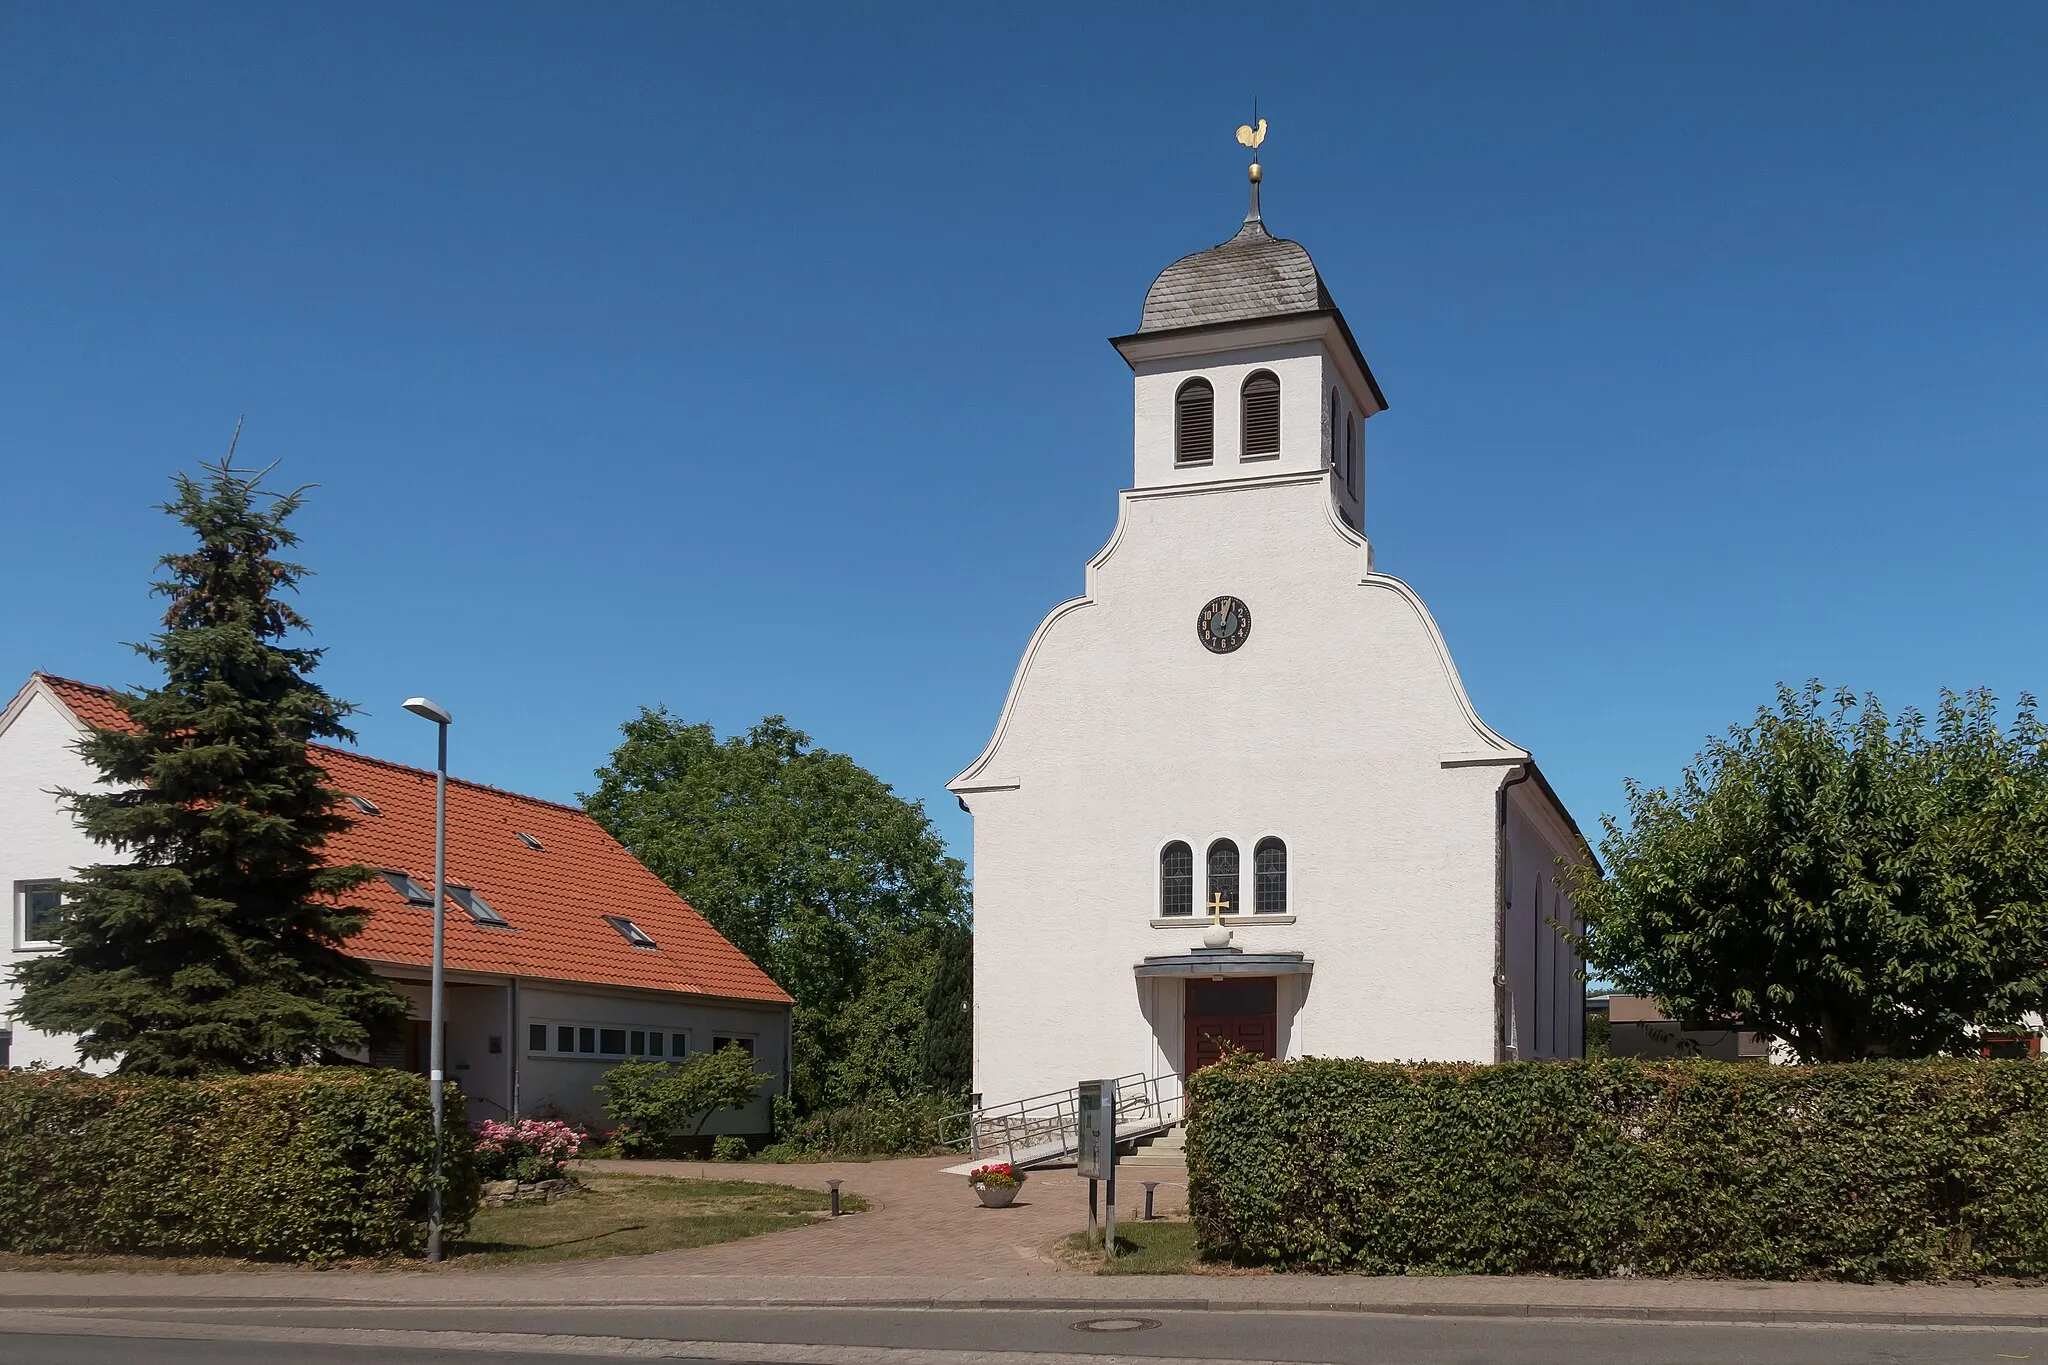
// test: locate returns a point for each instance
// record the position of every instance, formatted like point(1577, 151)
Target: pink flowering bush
point(530, 1149)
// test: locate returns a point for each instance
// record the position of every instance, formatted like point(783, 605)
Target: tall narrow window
point(1261, 415)
point(1223, 875)
point(1269, 877)
point(1176, 879)
point(1351, 454)
point(1194, 423)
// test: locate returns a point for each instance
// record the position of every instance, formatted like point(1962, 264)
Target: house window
point(414, 893)
point(565, 1039)
point(630, 931)
point(39, 905)
point(1223, 876)
point(537, 1037)
point(1176, 879)
point(6, 1048)
point(638, 1047)
point(1269, 877)
point(1261, 415)
point(612, 1042)
point(586, 1040)
point(477, 908)
point(1194, 423)
point(720, 1042)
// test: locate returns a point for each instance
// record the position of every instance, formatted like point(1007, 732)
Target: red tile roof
point(555, 897)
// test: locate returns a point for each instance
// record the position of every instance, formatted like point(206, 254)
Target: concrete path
point(921, 1221)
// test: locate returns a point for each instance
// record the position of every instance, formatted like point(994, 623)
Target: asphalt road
point(172, 1335)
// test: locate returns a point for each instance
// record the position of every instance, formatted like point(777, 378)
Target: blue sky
point(751, 360)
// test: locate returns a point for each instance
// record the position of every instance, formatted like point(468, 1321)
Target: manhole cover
point(1116, 1325)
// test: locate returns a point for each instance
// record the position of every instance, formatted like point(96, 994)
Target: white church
point(1237, 793)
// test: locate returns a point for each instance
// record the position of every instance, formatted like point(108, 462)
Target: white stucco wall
point(1546, 995)
point(1340, 726)
point(38, 842)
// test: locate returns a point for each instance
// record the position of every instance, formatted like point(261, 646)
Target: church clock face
point(1223, 625)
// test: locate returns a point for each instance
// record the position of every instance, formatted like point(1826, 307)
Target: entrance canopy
point(1224, 962)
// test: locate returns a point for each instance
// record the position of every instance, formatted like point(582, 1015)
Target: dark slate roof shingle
point(1253, 275)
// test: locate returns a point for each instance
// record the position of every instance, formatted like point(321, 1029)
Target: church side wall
point(1547, 998)
point(1328, 729)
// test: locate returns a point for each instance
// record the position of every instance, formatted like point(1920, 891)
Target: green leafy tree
point(1837, 880)
point(217, 944)
point(808, 862)
point(653, 1102)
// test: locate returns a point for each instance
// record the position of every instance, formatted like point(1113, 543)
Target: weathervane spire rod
point(1252, 135)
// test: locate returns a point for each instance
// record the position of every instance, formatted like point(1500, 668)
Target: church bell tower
point(1245, 368)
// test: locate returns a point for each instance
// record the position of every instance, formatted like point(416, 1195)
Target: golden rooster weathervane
point(1253, 135)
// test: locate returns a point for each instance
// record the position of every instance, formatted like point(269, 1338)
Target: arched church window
point(1223, 875)
point(1194, 423)
point(1269, 877)
point(1176, 879)
point(1261, 415)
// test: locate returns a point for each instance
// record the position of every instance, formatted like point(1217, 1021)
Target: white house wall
point(564, 1083)
point(39, 841)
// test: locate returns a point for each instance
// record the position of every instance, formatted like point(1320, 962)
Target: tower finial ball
point(1256, 173)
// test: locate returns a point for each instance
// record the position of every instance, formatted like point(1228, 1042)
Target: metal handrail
point(1049, 1125)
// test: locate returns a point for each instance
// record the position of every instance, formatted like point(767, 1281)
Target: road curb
point(1416, 1308)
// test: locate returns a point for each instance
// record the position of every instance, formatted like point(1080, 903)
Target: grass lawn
point(1160, 1247)
point(627, 1215)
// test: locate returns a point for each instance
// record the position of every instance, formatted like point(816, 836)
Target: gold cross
point(1217, 905)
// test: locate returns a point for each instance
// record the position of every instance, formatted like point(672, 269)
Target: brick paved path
point(920, 1222)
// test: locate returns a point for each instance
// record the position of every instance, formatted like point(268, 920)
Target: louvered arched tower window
point(1269, 877)
point(1261, 415)
point(1176, 879)
point(1194, 423)
point(1223, 875)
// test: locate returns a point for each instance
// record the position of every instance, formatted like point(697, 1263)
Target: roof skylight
point(414, 893)
point(630, 931)
point(479, 910)
point(362, 803)
point(531, 842)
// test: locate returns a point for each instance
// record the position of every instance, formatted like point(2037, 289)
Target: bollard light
point(833, 1185)
point(1150, 1186)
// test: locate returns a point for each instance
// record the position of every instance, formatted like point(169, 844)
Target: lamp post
point(427, 710)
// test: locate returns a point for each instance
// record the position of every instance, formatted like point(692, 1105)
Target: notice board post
point(1096, 1154)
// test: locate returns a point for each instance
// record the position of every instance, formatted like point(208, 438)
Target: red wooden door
point(1235, 1012)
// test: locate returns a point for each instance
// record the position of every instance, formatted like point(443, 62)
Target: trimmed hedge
point(1856, 1171)
point(307, 1165)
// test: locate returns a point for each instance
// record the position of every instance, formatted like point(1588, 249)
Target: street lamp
point(427, 710)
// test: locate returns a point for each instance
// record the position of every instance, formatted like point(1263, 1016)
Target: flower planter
point(996, 1196)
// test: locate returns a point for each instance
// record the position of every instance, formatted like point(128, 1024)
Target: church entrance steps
point(1045, 1129)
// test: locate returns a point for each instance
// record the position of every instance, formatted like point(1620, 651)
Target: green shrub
point(729, 1147)
point(298, 1165)
point(654, 1103)
point(1855, 1171)
point(889, 1125)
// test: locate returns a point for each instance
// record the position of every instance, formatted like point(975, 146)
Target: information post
point(1095, 1157)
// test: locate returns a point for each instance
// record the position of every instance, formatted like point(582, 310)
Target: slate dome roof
point(1253, 275)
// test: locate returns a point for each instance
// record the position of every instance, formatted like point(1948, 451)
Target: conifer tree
point(215, 945)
